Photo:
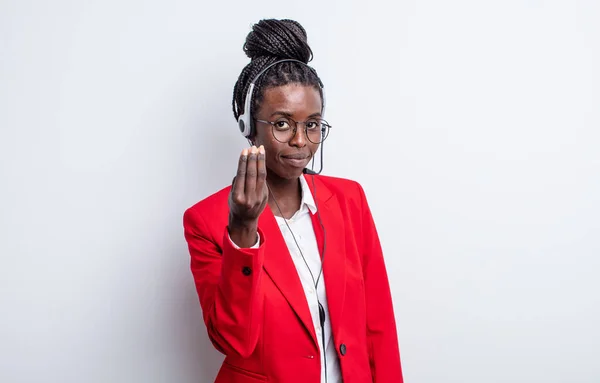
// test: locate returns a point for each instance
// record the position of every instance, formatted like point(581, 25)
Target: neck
point(284, 194)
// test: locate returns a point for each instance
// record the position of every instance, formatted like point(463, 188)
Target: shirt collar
point(307, 197)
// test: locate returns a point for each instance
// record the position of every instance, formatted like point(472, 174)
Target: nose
point(299, 139)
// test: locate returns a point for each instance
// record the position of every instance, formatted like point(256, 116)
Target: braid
point(268, 42)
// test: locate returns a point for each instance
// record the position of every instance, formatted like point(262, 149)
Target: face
point(300, 103)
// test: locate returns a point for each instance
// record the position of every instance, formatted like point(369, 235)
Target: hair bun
point(281, 39)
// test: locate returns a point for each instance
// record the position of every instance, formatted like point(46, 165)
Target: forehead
point(295, 99)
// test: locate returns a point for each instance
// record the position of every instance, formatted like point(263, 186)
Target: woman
point(288, 265)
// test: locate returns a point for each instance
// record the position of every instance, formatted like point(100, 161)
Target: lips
point(297, 160)
point(296, 156)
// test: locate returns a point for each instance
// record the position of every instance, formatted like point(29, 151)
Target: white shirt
point(301, 225)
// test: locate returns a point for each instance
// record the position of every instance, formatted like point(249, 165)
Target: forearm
point(228, 281)
point(233, 320)
point(382, 335)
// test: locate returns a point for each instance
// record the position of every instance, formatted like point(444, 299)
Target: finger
point(261, 168)
point(251, 172)
point(240, 177)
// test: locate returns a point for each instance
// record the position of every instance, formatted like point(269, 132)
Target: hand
point(248, 196)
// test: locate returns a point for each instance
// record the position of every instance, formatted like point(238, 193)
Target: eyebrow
point(288, 114)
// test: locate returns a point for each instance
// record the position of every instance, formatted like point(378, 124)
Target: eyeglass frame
point(295, 128)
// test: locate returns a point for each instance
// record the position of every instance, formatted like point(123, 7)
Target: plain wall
point(474, 127)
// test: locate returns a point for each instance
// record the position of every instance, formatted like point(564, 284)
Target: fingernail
point(254, 149)
point(245, 152)
point(262, 149)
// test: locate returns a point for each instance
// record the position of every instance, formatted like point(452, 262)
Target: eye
point(282, 125)
point(312, 124)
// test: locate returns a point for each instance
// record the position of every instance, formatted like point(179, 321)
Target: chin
point(293, 174)
point(288, 173)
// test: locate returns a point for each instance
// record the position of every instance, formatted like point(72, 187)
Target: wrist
point(243, 234)
point(243, 225)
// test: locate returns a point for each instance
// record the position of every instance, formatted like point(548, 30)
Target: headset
point(245, 121)
point(246, 125)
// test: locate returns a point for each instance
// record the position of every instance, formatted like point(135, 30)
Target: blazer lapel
point(279, 266)
point(281, 269)
point(332, 241)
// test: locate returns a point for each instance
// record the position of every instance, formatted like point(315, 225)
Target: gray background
point(472, 125)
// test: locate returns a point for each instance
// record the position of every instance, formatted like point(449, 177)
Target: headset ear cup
point(241, 125)
point(244, 125)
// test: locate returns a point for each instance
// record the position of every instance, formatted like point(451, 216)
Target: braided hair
point(270, 41)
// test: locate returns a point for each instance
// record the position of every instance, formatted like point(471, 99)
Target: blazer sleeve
point(228, 282)
point(382, 335)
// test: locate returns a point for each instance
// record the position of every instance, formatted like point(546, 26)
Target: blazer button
point(343, 349)
point(246, 271)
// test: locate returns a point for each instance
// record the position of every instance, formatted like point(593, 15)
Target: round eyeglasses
point(284, 129)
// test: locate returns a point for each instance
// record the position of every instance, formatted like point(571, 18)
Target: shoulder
point(343, 188)
point(214, 206)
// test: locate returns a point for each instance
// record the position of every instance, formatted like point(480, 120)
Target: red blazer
point(254, 307)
